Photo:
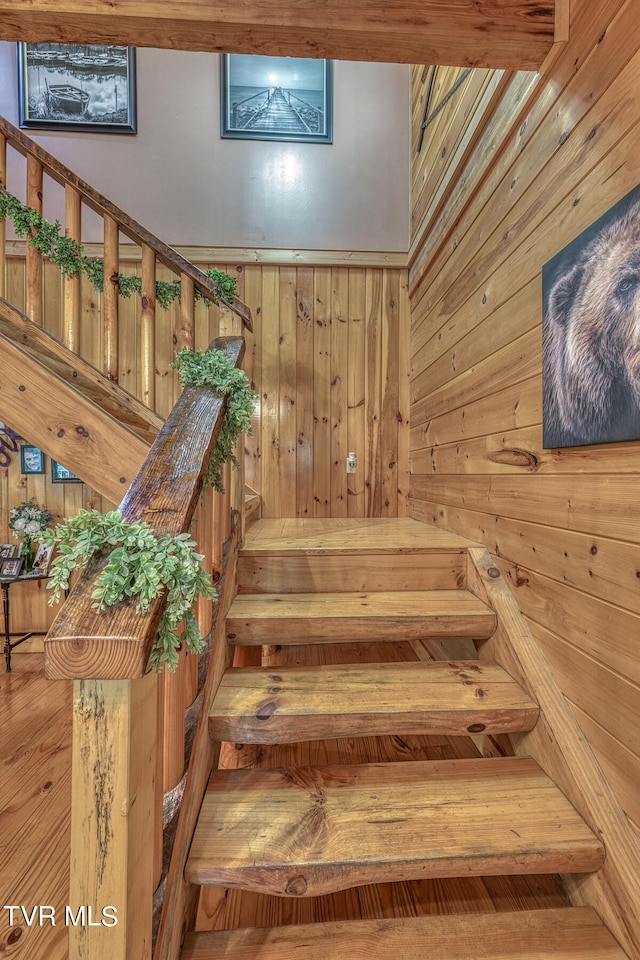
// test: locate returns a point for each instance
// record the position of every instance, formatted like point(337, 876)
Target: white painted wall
point(189, 186)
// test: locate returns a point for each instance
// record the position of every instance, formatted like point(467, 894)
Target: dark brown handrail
point(116, 644)
point(130, 227)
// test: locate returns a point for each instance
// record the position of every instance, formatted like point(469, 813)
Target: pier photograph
point(276, 98)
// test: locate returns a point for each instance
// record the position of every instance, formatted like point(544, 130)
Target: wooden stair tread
point(289, 704)
point(573, 933)
point(379, 615)
point(347, 536)
point(306, 831)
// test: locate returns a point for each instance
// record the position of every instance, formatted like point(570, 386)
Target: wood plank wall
point(325, 357)
point(530, 176)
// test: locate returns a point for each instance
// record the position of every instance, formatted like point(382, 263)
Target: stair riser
point(306, 573)
point(302, 630)
point(573, 933)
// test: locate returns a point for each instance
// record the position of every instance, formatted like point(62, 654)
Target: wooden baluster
point(187, 311)
point(158, 847)
point(3, 230)
point(33, 292)
point(226, 510)
point(110, 298)
point(113, 784)
point(237, 495)
point(148, 328)
point(173, 725)
point(72, 294)
point(218, 525)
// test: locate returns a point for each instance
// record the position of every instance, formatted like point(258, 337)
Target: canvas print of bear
point(591, 333)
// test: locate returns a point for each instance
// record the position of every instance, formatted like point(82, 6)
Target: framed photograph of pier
point(86, 87)
point(276, 98)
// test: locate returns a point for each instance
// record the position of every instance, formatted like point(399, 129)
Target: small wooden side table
point(9, 645)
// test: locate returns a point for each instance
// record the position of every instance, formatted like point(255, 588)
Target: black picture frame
point(60, 474)
point(85, 87)
point(31, 459)
point(276, 98)
point(11, 567)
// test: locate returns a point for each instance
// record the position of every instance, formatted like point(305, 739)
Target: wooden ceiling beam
point(508, 34)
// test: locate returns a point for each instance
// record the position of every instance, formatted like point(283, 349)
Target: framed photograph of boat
point(276, 98)
point(66, 86)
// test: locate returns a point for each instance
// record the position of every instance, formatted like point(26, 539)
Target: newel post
point(112, 835)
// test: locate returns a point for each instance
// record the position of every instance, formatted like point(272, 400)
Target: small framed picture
point(60, 474)
point(41, 561)
point(31, 459)
point(67, 86)
point(7, 550)
point(10, 567)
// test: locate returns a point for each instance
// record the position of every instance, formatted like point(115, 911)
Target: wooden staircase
point(307, 830)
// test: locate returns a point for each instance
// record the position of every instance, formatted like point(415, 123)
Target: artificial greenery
point(139, 565)
point(213, 368)
point(69, 256)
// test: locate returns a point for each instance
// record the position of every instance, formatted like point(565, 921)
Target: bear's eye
point(626, 285)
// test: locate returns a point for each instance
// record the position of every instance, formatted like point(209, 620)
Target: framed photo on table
point(68, 86)
point(41, 561)
point(10, 567)
point(7, 550)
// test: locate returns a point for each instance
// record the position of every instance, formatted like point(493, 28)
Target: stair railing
point(116, 816)
point(115, 222)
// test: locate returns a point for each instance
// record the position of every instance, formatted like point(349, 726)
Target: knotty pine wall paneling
point(324, 359)
point(547, 156)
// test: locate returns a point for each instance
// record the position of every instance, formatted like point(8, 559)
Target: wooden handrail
point(130, 227)
point(116, 644)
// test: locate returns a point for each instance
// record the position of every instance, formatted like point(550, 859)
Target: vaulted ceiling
point(512, 34)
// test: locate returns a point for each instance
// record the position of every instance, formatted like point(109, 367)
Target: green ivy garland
point(213, 368)
point(69, 256)
point(139, 565)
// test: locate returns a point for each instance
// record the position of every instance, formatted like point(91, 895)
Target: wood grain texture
point(116, 643)
point(352, 572)
point(559, 746)
point(328, 617)
point(299, 831)
point(528, 935)
point(113, 828)
point(74, 370)
point(85, 438)
point(518, 34)
point(558, 522)
point(288, 704)
point(180, 898)
point(323, 390)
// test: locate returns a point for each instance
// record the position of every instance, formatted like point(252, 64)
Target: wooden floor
point(35, 802)
point(35, 744)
